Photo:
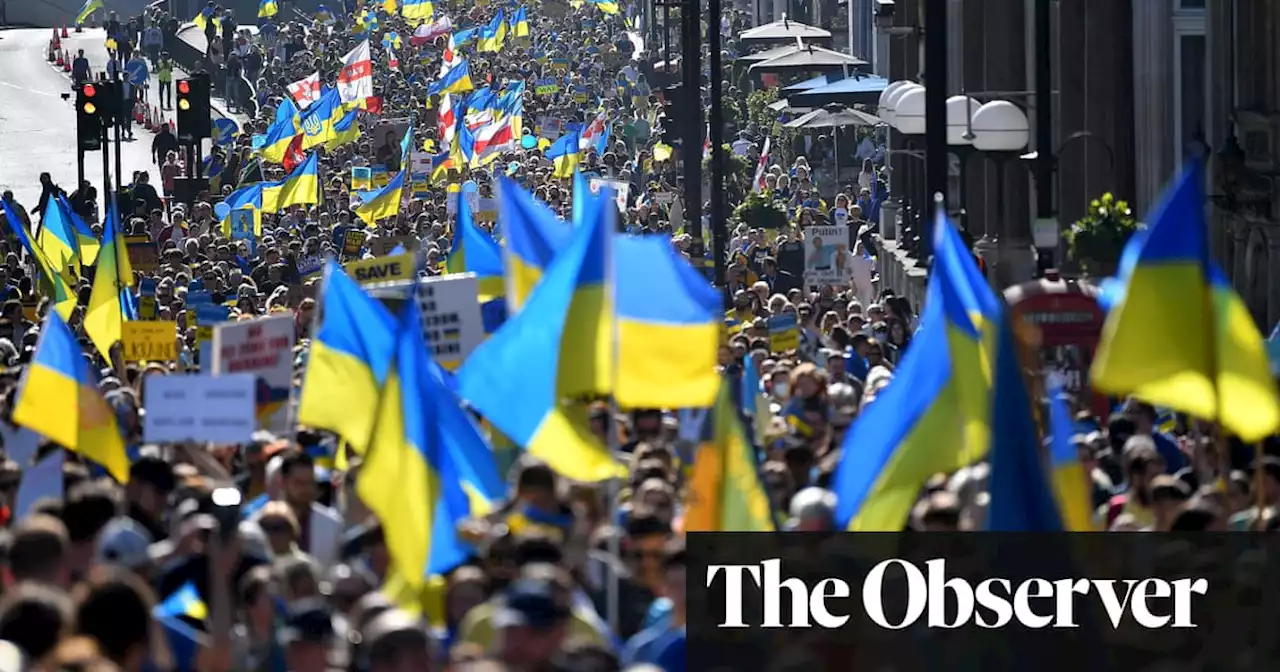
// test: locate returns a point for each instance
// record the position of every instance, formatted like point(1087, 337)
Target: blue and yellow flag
point(274, 144)
point(927, 420)
point(318, 120)
point(457, 80)
point(533, 235)
point(385, 202)
point(204, 16)
point(301, 187)
point(520, 23)
point(417, 10)
point(348, 361)
point(58, 284)
point(1072, 484)
point(725, 490)
point(86, 240)
point(668, 329)
point(493, 35)
point(89, 7)
point(464, 36)
point(60, 400)
point(473, 251)
point(609, 7)
point(564, 153)
point(267, 9)
point(58, 238)
point(561, 342)
point(105, 316)
point(418, 460)
point(1180, 336)
point(346, 131)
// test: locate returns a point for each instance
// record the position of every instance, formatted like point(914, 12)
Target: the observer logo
point(951, 602)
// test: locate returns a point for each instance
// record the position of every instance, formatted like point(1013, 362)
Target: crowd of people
point(150, 574)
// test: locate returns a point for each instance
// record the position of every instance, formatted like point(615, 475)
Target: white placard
point(826, 258)
point(620, 190)
point(451, 318)
point(199, 408)
point(263, 347)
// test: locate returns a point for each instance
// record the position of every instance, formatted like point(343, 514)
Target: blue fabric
point(659, 613)
point(1174, 459)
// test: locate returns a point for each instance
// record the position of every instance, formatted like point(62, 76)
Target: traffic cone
point(66, 61)
point(61, 61)
point(49, 53)
point(55, 35)
point(64, 31)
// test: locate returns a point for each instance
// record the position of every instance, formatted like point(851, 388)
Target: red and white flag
point(306, 91)
point(706, 144)
point(447, 120)
point(491, 140)
point(355, 81)
point(294, 156)
point(452, 57)
point(392, 61)
point(757, 184)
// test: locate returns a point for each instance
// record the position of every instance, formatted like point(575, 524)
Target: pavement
point(38, 127)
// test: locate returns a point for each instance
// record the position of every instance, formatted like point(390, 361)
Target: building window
point(1191, 66)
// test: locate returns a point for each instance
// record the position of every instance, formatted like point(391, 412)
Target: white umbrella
point(808, 57)
point(784, 29)
point(829, 117)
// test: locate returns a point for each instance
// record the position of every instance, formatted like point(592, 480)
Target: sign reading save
point(382, 269)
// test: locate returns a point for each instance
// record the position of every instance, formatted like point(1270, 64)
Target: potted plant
point(758, 210)
point(1095, 241)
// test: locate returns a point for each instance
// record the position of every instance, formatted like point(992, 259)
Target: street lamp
point(886, 110)
point(909, 116)
point(1000, 129)
point(960, 111)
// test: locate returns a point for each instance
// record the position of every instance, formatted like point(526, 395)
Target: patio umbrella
point(808, 57)
point(835, 116)
point(768, 54)
point(784, 29)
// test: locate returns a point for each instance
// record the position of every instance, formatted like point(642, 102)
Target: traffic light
point(194, 121)
point(672, 113)
point(89, 117)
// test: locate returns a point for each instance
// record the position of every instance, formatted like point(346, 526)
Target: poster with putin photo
point(386, 138)
point(826, 256)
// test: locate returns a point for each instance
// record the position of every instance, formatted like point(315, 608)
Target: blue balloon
point(528, 142)
point(222, 210)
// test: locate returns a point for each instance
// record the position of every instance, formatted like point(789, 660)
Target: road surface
point(38, 127)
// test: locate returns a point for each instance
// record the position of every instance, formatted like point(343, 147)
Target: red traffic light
point(89, 91)
point(184, 87)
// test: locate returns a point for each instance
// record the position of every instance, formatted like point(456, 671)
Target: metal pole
point(935, 110)
point(666, 37)
point(123, 109)
point(849, 6)
point(106, 173)
point(691, 60)
point(1045, 158)
point(715, 133)
point(79, 168)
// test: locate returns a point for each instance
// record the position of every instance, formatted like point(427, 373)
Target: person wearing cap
point(126, 543)
point(532, 623)
point(812, 510)
point(307, 636)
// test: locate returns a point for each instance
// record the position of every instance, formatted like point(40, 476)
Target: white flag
point(355, 82)
point(757, 184)
point(306, 91)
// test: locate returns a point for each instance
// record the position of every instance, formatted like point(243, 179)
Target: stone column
point(1153, 98)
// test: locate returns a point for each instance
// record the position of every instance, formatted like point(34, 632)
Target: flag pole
point(613, 592)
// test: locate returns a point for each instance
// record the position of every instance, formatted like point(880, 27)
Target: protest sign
point(546, 86)
point(145, 341)
point(353, 242)
point(147, 307)
point(580, 93)
point(264, 348)
point(208, 315)
point(620, 190)
point(382, 245)
point(310, 265)
point(143, 255)
point(827, 259)
point(382, 269)
point(451, 318)
point(244, 224)
point(199, 408)
point(784, 333)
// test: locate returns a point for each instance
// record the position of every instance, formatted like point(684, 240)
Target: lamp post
point(1000, 129)
point(960, 136)
point(909, 119)
point(937, 155)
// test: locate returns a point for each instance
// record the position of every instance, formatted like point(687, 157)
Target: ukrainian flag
point(274, 145)
point(301, 187)
point(59, 399)
point(202, 19)
point(348, 361)
point(267, 9)
point(1071, 483)
point(86, 241)
point(493, 35)
point(473, 251)
point(318, 120)
point(345, 132)
point(564, 153)
point(416, 472)
point(59, 240)
point(417, 10)
point(288, 111)
point(923, 422)
point(440, 165)
point(457, 80)
point(383, 203)
point(533, 235)
point(464, 36)
point(668, 327)
point(725, 490)
point(1022, 498)
point(89, 7)
point(104, 318)
point(520, 23)
point(64, 296)
point(609, 7)
point(1180, 336)
point(561, 343)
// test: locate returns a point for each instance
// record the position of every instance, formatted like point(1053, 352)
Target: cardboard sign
point(264, 348)
point(546, 86)
point(144, 257)
point(353, 242)
point(147, 341)
point(147, 306)
point(199, 408)
point(382, 269)
point(827, 256)
point(784, 333)
point(451, 319)
point(580, 93)
point(382, 245)
point(310, 266)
